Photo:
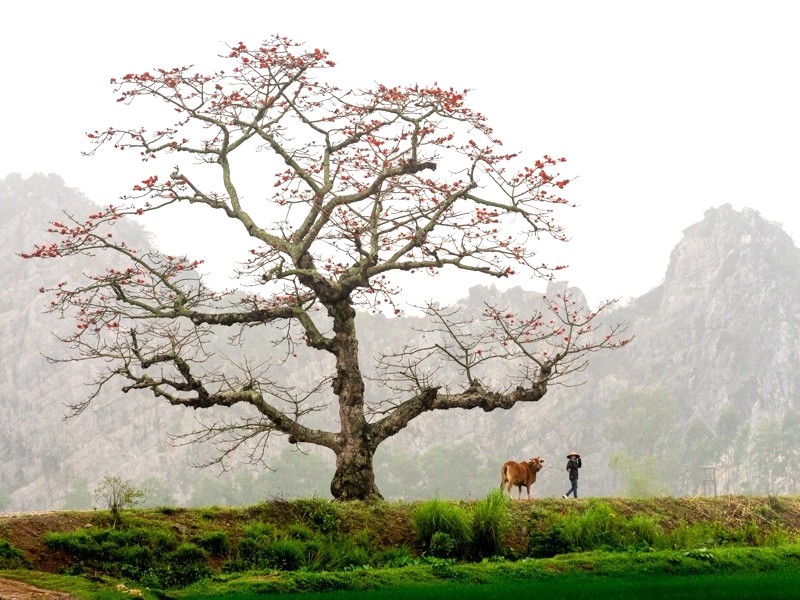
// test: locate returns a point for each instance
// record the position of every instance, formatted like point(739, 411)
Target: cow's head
point(536, 464)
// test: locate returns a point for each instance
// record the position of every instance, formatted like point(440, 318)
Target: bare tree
point(367, 184)
point(117, 494)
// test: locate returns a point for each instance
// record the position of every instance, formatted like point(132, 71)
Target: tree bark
point(354, 478)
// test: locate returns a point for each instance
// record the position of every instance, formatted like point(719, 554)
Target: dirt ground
point(16, 590)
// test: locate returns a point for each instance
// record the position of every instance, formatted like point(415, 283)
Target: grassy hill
point(314, 544)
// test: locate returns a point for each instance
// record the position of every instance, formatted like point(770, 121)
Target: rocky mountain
point(704, 400)
point(41, 454)
point(704, 395)
point(721, 335)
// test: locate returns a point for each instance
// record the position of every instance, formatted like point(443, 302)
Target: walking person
point(573, 464)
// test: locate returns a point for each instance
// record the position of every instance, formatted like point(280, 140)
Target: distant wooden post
point(709, 481)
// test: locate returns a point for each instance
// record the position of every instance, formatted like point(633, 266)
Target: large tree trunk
point(354, 478)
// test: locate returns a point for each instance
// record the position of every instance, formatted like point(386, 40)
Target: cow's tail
point(503, 478)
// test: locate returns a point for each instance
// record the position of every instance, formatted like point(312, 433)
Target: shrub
point(169, 510)
point(117, 494)
point(320, 514)
point(396, 557)
point(130, 552)
point(80, 543)
point(260, 531)
point(598, 528)
point(716, 534)
point(253, 546)
point(186, 564)
point(686, 536)
point(491, 520)
point(439, 516)
point(284, 554)
point(317, 554)
point(102, 543)
point(12, 557)
point(777, 537)
point(346, 553)
point(749, 535)
point(216, 543)
point(298, 531)
point(442, 545)
point(547, 542)
point(644, 531)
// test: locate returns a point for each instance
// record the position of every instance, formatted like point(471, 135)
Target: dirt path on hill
point(16, 590)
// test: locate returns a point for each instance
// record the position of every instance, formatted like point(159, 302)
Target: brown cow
point(519, 474)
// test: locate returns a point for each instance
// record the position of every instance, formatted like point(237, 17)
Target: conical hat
point(573, 454)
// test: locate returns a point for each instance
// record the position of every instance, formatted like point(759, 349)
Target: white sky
point(663, 109)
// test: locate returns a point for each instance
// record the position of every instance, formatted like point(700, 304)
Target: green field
point(729, 586)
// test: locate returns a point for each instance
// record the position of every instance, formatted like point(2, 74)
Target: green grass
point(442, 528)
point(776, 584)
point(80, 587)
point(618, 573)
point(381, 549)
point(738, 586)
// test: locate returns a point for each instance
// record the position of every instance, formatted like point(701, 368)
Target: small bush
point(216, 543)
point(117, 494)
point(260, 531)
point(253, 546)
point(320, 514)
point(396, 557)
point(549, 542)
point(80, 543)
point(284, 554)
point(186, 564)
point(777, 537)
point(317, 554)
point(442, 545)
point(491, 520)
point(749, 535)
point(644, 531)
point(104, 543)
point(347, 553)
point(685, 536)
point(598, 528)
point(439, 516)
point(444, 569)
point(12, 557)
point(131, 553)
point(340, 552)
point(716, 534)
point(298, 531)
point(169, 510)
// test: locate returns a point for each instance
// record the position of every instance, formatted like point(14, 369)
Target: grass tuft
point(438, 516)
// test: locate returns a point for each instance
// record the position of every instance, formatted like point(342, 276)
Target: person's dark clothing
point(573, 464)
point(572, 490)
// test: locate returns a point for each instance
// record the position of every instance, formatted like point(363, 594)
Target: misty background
point(662, 109)
point(679, 121)
point(710, 380)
